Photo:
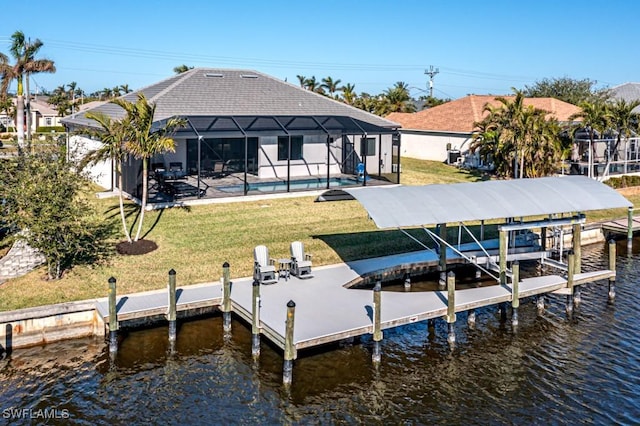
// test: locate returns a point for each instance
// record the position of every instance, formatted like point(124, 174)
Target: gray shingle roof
point(226, 92)
point(628, 92)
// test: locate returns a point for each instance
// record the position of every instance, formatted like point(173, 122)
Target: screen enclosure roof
point(407, 206)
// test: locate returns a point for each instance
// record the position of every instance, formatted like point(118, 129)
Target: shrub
point(625, 181)
point(49, 129)
point(41, 192)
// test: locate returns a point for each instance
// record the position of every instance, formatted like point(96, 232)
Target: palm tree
point(519, 138)
point(113, 135)
point(331, 85)
point(107, 93)
point(596, 119)
point(303, 81)
point(24, 52)
point(124, 88)
point(396, 99)
point(312, 84)
point(349, 93)
point(143, 142)
point(624, 121)
point(181, 68)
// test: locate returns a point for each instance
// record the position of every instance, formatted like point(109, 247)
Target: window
point(368, 146)
point(47, 121)
point(283, 147)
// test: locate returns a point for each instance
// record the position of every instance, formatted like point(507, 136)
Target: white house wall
point(432, 146)
point(101, 173)
point(313, 163)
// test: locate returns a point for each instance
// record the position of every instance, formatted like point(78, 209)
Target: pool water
point(305, 184)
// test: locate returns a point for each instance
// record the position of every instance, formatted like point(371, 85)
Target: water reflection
point(553, 370)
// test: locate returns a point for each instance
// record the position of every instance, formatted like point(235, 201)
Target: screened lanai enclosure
point(603, 157)
point(241, 155)
point(248, 133)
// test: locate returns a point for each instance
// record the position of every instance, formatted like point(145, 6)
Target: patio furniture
point(176, 171)
point(264, 266)
point(284, 268)
point(300, 261)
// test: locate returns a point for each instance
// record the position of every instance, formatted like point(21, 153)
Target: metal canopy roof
point(404, 206)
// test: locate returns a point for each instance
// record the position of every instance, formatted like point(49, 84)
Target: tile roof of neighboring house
point(460, 115)
point(230, 92)
point(42, 107)
point(628, 92)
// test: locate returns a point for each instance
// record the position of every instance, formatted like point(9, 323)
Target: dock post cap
point(451, 274)
point(225, 265)
point(256, 283)
point(112, 280)
point(291, 304)
point(378, 286)
point(172, 271)
point(515, 262)
point(612, 241)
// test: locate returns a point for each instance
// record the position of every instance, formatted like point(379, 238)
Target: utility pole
point(431, 73)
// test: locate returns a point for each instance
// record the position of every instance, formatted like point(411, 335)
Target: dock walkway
point(328, 311)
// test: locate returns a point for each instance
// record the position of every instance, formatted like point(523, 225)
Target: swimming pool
point(294, 185)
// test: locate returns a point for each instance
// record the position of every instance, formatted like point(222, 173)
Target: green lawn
point(196, 241)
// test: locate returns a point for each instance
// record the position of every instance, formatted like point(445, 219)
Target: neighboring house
point(444, 132)
point(42, 115)
point(628, 92)
point(242, 126)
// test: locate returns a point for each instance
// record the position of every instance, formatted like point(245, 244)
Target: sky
point(477, 47)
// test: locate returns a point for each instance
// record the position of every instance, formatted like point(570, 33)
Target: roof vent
point(210, 74)
point(248, 76)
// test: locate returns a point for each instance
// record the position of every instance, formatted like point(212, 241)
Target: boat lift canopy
point(408, 206)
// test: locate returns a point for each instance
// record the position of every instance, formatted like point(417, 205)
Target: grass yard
point(196, 241)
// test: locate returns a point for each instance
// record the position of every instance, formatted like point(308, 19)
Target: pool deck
point(326, 310)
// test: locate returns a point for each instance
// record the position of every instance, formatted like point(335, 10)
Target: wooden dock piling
point(570, 274)
point(289, 346)
point(612, 267)
point(630, 228)
point(255, 320)
point(503, 256)
point(226, 298)
point(451, 307)
point(515, 296)
point(113, 317)
point(577, 247)
point(377, 320)
point(442, 265)
point(171, 313)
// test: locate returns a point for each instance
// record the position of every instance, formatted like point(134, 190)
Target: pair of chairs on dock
point(265, 267)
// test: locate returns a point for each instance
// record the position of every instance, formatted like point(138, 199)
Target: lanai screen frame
point(245, 126)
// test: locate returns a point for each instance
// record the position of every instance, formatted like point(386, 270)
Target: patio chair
point(264, 266)
point(176, 170)
point(300, 261)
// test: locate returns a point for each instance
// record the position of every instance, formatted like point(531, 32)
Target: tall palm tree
point(312, 84)
point(330, 85)
point(113, 135)
point(124, 88)
point(24, 53)
point(303, 81)
point(396, 99)
point(143, 141)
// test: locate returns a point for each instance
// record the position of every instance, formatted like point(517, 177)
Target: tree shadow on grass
point(133, 211)
point(365, 245)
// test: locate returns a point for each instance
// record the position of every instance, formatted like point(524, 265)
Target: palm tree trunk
point(121, 197)
point(521, 164)
point(143, 203)
point(20, 120)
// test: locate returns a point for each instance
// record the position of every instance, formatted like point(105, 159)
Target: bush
point(41, 192)
point(625, 181)
point(50, 129)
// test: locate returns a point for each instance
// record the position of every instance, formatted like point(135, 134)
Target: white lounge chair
point(300, 261)
point(264, 266)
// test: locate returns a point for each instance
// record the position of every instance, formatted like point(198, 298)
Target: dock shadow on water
point(552, 370)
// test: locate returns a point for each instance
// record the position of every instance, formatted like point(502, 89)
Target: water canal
point(551, 370)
